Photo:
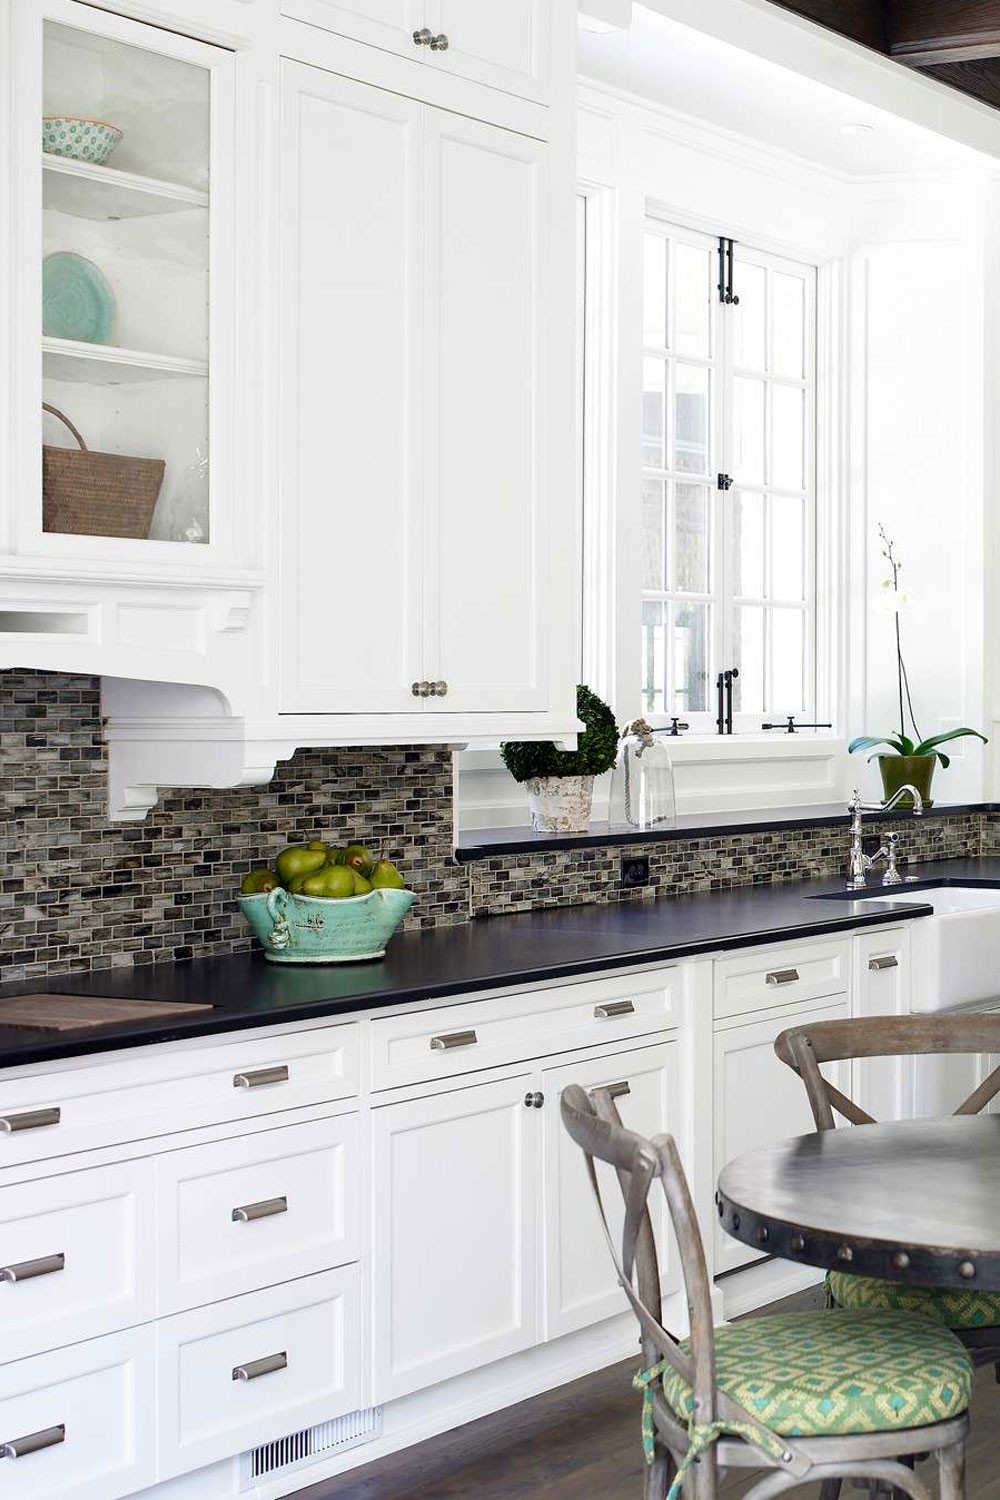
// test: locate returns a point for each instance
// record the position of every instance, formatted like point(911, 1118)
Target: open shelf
point(91, 192)
point(105, 364)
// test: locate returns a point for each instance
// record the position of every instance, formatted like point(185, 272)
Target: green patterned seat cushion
point(955, 1309)
point(837, 1373)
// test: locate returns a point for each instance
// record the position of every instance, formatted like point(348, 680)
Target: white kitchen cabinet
point(454, 1237)
point(882, 987)
point(93, 1407)
point(757, 1100)
point(580, 1286)
point(504, 46)
point(415, 540)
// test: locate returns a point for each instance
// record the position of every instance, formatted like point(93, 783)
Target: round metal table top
point(915, 1202)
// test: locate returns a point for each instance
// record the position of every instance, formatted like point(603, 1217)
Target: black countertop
point(495, 953)
point(490, 843)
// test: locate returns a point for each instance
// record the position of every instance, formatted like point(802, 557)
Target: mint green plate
point(77, 302)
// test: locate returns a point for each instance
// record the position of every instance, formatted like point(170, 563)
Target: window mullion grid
point(724, 560)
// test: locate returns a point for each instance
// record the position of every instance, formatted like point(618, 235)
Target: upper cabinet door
point(352, 289)
point(505, 46)
point(486, 550)
point(381, 23)
point(124, 291)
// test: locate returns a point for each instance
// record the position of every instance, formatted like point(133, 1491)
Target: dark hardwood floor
point(581, 1442)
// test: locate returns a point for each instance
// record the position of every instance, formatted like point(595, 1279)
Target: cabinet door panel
point(883, 1085)
point(351, 274)
point(502, 45)
point(454, 1235)
point(381, 23)
point(758, 1101)
point(580, 1283)
point(485, 194)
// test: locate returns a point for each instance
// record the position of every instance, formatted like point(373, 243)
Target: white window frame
point(720, 598)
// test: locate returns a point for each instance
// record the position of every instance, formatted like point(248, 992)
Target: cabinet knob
point(533, 1101)
point(424, 37)
point(439, 689)
point(423, 689)
point(439, 43)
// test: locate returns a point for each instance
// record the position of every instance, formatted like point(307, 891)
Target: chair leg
point(951, 1463)
point(831, 1489)
point(659, 1476)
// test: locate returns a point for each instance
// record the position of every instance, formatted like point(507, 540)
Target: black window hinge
point(727, 295)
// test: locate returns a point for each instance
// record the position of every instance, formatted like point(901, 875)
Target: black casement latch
point(726, 482)
point(727, 295)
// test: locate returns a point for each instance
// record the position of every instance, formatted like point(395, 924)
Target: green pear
point(358, 858)
point(333, 883)
point(298, 860)
point(362, 885)
point(386, 877)
point(259, 881)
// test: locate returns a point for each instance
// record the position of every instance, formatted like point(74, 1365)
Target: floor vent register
point(305, 1447)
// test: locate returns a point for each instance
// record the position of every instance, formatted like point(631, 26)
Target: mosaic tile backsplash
point(78, 892)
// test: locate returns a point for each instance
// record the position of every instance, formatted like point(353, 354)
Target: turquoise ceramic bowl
point(311, 930)
point(80, 140)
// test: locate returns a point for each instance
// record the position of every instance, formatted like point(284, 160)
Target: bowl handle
point(281, 934)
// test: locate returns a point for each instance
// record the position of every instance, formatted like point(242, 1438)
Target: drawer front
point(81, 1421)
point(485, 1033)
point(161, 1089)
point(256, 1368)
point(242, 1214)
point(761, 978)
point(77, 1258)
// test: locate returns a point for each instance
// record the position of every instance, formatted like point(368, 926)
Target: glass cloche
point(642, 783)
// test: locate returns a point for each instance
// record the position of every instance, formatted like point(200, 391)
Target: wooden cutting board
point(84, 1013)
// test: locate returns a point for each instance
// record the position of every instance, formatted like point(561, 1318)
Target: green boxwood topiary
point(595, 753)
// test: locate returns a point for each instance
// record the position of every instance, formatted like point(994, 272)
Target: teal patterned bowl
point(311, 930)
point(81, 140)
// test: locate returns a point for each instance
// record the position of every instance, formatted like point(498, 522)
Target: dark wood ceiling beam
point(943, 31)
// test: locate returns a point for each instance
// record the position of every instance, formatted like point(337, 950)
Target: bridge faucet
point(859, 862)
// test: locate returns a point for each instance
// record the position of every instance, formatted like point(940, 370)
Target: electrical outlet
point(635, 872)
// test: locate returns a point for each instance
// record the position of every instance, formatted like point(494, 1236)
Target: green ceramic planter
point(309, 930)
point(917, 770)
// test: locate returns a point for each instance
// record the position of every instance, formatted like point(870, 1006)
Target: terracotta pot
point(561, 804)
point(918, 770)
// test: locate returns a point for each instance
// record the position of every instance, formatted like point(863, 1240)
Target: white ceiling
point(696, 74)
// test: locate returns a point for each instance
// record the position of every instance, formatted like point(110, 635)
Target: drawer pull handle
point(27, 1270)
point(49, 1437)
point(887, 961)
point(453, 1039)
point(258, 1367)
point(260, 1078)
point(32, 1119)
point(619, 1090)
point(268, 1208)
point(614, 1008)
point(783, 976)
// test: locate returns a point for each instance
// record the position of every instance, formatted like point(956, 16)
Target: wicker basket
point(97, 494)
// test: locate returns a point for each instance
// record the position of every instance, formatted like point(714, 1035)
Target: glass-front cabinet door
point(122, 308)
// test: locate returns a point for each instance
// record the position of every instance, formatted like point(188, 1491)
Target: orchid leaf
point(868, 742)
point(926, 746)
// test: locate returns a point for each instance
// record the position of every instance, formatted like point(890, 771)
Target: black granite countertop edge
point(492, 843)
point(557, 944)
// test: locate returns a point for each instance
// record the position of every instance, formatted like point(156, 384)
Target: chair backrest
point(806, 1048)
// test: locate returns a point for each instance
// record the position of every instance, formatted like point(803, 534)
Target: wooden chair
point(973, 1315)
point(806, 1397)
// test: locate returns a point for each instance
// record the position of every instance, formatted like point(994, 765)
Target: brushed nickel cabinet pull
point(31, 1119)
point(424, 37)
point(28, 1270)
point(439, 43)
point(258, 1367)
point(614, 1008)
point(260, 1078)
point(783, 976)
point(453, 1039)
point(439, 690)
point(887, 961)
point(49, 1437)
point(619, 1090)
point(268, 1208)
